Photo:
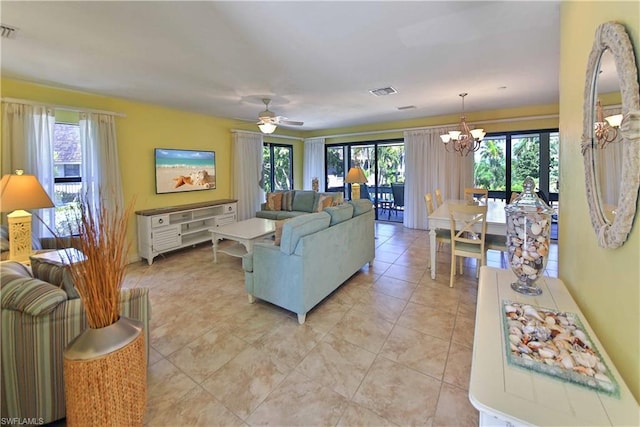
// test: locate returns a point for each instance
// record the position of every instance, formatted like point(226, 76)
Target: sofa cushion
point(54, 274)
point(304, 201)
point(361, 206)
point(287, 200)
point(300, 226)
point(274, 202)
point(339, 213)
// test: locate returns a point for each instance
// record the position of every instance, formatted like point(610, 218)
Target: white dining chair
point(438, 197)
point(466, 240)
point(442, 236)
point(471, 193)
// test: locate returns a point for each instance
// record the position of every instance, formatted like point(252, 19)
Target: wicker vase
point(105, 376)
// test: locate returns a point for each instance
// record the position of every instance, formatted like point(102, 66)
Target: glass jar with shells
point(528, 238)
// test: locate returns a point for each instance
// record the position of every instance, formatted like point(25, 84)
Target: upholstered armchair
point(39, 318)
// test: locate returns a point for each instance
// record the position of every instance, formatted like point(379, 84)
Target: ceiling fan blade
point(290, 123)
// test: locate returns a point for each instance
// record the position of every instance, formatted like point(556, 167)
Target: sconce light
point(17, 193)
point(606, 128)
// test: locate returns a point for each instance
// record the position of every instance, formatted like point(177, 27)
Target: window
point(504, 160)
point(277, 167)
point(67, 161)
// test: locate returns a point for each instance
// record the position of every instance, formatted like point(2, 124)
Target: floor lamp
point(17, 193)
point(355, 177)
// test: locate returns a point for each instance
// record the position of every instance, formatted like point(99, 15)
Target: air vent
point(407, 107)
point(383, 91)
point(8, 32)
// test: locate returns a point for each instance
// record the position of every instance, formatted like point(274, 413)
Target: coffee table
point(246, 233)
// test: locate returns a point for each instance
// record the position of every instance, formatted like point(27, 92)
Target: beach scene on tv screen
point(184, 170)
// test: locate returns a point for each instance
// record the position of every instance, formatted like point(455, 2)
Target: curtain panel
point(429, 166)
point(314, 163)
point(247, 172)
point(27, 143)
point(101, 183)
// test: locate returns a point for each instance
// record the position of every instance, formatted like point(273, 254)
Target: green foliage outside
point(282, 168)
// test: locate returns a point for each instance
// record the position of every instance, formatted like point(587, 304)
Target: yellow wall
point(604, 282)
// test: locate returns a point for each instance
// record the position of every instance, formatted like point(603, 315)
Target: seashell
point(529, 271)
point(515, 331)
point(543, 250)
point(585, 371)
point(530, 311)
point(566, 361)
point(515, 339)
point(547, 352)
point(600, 367)
point(529, 329)
point(550, 321)
point(536, 228)
point(524, 349)
point(602, 377)
point(534, 345)
point(550, 362)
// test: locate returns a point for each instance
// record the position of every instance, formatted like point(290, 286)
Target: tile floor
point(389, 347)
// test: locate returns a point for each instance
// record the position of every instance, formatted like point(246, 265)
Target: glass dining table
point(439, 220)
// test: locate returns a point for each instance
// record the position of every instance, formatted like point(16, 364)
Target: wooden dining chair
point(514, 195)
point(466, 240)
point(442, 236)
point(438, 197)
point(471, 193)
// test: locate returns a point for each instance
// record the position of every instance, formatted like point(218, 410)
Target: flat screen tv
point(184, 170)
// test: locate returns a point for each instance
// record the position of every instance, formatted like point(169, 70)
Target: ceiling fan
point(268, 121)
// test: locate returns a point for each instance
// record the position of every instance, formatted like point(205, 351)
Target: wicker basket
point(105, 376)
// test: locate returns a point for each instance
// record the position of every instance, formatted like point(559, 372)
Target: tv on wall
point(184, 170)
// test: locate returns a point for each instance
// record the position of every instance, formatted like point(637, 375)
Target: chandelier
point(463, 141)
point(606, 128)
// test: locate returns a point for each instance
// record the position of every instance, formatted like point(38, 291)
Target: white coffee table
point(246, 233)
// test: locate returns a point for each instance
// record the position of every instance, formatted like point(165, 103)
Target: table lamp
point(17, 193)
point(355, 177)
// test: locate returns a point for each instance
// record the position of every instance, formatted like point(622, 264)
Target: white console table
point(507, 395)
point(167, 229)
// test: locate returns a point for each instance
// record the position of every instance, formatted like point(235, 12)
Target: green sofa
point(317, 253)
point(39, 318)
point(304, 202)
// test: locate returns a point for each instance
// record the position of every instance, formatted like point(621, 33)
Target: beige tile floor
point(389, 347)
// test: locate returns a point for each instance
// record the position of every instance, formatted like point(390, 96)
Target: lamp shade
point(22, 192)
point(356, 175)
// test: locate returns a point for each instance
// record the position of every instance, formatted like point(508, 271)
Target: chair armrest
point(31, 296)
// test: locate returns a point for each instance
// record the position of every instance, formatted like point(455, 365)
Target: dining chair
point(397, 190)
point(471, 193)
point(438, 197)
point(442, 236)
point(514, 195)
point(466, 240)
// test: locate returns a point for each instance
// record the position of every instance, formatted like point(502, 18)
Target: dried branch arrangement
point(99, 277)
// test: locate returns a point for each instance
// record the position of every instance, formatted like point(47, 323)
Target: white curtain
point(27, 143)
point(314, 162)
point(247, 172)
point(430, 166)
point(100, 167)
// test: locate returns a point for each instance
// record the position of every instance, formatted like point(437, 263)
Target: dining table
point(439, 220)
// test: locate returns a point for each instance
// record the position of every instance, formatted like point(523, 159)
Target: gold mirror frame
point(614, 37)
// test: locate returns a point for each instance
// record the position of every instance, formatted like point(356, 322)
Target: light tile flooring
point(389, 347)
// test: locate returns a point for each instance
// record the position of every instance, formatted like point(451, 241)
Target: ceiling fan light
point(267, 127)
point(615, 120)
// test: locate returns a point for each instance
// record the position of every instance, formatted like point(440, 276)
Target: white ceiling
point(317, 60)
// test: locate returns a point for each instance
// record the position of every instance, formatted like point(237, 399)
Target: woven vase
point(105, 376)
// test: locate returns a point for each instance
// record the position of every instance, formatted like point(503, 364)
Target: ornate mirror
point(611, 148)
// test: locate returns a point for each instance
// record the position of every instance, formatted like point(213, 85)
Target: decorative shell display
point(528, 244)
point(554, 343)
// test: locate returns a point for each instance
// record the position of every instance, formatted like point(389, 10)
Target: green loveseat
point(39, 319)
point(317, 253)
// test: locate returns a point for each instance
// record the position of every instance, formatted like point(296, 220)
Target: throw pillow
point(287, 201)
point(324, 202)
point(54, 274)
point(278, 233)
point(338, 199)
point(274, 201)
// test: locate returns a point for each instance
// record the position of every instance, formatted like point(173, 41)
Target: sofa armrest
point(30, 296)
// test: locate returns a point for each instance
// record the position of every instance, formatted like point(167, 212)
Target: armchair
point(39, 318)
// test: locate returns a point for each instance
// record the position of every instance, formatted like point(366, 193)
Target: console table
point(174, 227)
point(507, 395)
